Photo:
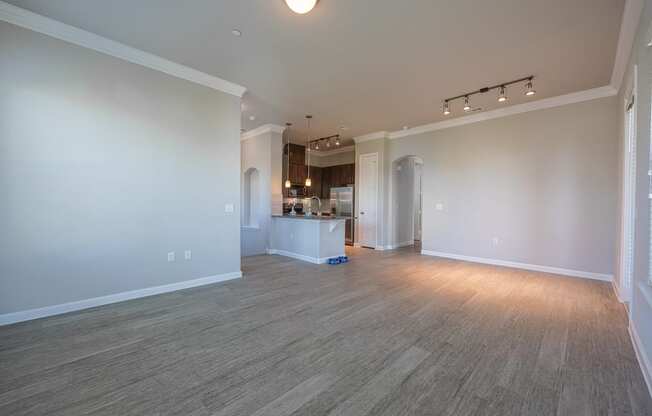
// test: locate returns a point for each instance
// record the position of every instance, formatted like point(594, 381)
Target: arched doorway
point(407, 201)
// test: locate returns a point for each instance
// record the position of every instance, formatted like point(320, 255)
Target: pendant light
point(447, 109)
point(288, 184)
point(501, 96)
point(301, 6)
point(308, 180)
point(467, 106)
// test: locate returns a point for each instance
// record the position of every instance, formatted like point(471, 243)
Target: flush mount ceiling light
point(301, 6)
point(502, 96)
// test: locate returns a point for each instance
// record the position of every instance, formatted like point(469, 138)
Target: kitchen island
point(314, 239)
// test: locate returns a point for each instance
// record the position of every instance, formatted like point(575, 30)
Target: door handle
point(361, 212)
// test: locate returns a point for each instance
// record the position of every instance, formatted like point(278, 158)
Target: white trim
point(371, 136)
point(314, 260)
point(345, 149)
point(24, 18)
point(525, 266)
point(28, 315)
point(628, 27)
point(614, 285)
point(399, 245)
point(265, 128)
point(643, 359)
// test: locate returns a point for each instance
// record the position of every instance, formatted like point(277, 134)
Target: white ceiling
point(368, 65)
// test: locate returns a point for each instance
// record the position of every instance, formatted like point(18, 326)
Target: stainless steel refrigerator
point(342, 206)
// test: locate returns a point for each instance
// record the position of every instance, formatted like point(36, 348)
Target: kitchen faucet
point(319, 201)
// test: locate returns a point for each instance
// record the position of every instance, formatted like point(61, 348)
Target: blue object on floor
point(338, 260)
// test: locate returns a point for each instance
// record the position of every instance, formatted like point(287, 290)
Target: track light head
point(447, 109)
point(337, 141)
point(502, 97)
point(467, 106)
point(529, 89)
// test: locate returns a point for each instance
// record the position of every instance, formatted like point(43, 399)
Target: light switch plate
point(188, 255)
point(228, 208)
point(439, 206)
point(171, 256)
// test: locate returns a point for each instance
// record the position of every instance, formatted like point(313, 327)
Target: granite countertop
point(311, 217)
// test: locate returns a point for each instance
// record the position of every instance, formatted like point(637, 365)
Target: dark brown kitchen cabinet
point(336, 176)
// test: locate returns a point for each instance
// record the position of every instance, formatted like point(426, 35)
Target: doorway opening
point(407, 201)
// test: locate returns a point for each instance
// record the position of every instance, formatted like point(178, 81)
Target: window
point(251, 199)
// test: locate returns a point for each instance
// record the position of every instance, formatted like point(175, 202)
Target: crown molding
point(576, 97)
point(371, 136)
point(628, 28)
point(561, 100)
point(346, 149)
point(29, 20)
point(265, 128)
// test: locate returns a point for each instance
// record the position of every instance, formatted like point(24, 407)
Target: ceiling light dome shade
point(301, 6)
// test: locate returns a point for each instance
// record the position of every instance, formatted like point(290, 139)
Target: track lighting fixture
point(467, 106)
point(530, 89)
point(337, 140)
point(502, 97)
point(502, 94)
point(447, 109)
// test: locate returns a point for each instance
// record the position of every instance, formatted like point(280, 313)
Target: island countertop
point(311, 217)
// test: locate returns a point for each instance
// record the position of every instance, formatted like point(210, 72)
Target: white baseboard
point(525, 266)
point(28, 315)
point(399, 245)
point(643, 359)
point(314, 260)
point(616, 289)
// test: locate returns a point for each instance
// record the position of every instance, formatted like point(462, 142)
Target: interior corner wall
point(544, 183)
point(105, 167)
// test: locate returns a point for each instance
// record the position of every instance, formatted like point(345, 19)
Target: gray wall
point(263, 152)
point(544, 183)
point(641, 304)
point(105, 167)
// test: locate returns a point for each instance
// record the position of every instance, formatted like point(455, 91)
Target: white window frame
point(627, 249)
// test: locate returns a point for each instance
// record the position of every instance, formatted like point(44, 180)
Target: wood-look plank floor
point(390, 333)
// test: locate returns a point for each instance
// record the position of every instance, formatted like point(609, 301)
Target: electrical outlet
point(171, 256)
point(228, 208)
point(188, 255)
point(439, 206)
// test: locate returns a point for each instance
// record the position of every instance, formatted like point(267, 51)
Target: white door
point(368, 200)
